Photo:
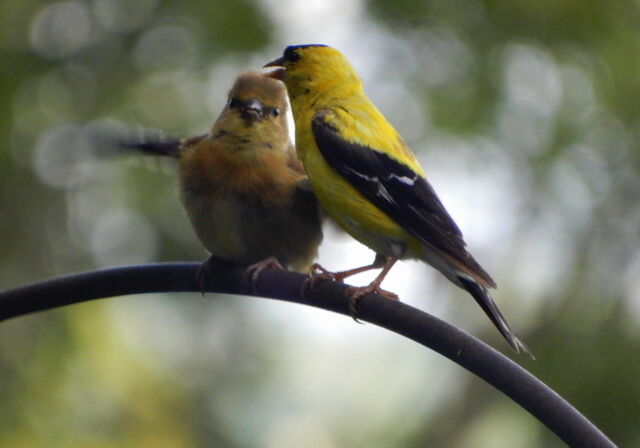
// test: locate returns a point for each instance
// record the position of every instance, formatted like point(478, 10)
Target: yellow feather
point(337, 90)
point(331, 109)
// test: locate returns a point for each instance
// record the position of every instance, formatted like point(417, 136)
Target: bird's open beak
point(252, 111)
point(280, 72)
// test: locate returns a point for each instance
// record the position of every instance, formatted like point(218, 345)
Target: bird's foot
point(320, 273)
point(254, 271)
point(317, 273)
point(356, 293)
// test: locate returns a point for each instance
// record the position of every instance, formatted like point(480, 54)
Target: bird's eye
point(275, 111)
point(291, 55)
point(233, 103)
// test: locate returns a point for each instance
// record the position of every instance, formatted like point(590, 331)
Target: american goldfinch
point(242, 185)
point(367, 179)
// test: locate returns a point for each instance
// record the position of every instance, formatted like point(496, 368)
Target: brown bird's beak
point(280, 72)
point(252, 111)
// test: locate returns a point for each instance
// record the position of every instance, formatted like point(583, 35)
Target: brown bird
point(243, 187)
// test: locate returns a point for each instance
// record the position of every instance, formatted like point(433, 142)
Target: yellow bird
point(242, 185)
point(367, 179)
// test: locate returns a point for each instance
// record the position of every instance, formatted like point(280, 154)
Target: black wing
point(403, 195)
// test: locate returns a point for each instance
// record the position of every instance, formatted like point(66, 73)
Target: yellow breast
point(350, 209)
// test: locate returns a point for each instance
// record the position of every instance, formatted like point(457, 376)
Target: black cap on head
point(291, 55)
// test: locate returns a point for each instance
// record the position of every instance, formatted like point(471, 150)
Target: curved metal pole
point(465, 350)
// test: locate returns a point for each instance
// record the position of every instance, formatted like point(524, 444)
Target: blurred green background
point(525, 115)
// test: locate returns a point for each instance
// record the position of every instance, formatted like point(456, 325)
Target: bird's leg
point(356, 293)
point(319, 273)
point(254, 271)
point(339, 276)
point(203, 274)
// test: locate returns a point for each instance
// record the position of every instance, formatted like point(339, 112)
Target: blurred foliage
point(526, 116)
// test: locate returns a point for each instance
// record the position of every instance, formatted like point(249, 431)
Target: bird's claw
point(254, 271)
point(317, 273)
point(356, 293)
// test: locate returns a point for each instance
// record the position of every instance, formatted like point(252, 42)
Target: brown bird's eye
point(275, 111)
point(233, 103)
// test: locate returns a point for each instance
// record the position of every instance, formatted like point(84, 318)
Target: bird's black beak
point(280, 72)
point(252, 110)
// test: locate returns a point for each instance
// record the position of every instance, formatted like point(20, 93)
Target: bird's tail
point(490, 307)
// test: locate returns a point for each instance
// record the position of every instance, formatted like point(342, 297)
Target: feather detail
point(490, 308)
point(404, 195)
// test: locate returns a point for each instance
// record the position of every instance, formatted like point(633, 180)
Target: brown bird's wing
point(169, 147)
point(402, 194)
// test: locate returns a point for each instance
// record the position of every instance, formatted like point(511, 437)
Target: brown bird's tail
point(487, 304)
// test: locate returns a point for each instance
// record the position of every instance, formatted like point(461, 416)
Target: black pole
point(465, 350)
